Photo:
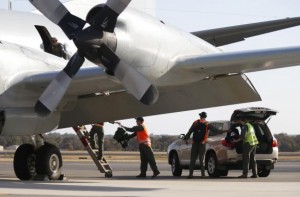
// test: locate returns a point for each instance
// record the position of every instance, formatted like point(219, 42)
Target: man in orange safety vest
point(146, 154)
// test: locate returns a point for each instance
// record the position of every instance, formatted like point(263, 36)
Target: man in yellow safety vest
point(249, 149)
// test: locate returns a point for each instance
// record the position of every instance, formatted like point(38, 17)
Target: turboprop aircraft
point(126, 64)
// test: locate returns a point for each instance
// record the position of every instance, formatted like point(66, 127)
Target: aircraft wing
point(229, 35)
point(120, 105)
point(94, 96)
point(238, 62)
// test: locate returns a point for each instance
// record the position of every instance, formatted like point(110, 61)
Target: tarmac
point(83, 179)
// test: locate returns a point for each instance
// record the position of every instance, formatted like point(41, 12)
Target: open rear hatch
point(257, 116)
point(252, 114)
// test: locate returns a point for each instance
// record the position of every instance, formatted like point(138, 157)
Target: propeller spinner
point(92, 44)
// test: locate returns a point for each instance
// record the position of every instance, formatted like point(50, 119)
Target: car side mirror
point(181, 136)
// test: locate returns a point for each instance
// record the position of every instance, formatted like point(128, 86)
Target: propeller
point(95, 43)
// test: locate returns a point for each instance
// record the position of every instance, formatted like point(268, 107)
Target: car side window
point(218, 126)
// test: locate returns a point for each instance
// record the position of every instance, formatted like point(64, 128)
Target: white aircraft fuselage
point(138, 66)
point(143, 41)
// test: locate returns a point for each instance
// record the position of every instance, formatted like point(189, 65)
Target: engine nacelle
point(24, 121)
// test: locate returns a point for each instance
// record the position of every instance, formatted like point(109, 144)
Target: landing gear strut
point(40, 159)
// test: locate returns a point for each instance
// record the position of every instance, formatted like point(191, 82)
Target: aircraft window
point(52, 45)
point(1, 42)
point(57, 48)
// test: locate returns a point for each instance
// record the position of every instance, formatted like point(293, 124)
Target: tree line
point(71, 142)
point(286, 143)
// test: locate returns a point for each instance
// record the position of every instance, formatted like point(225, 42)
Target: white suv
point(220, 155)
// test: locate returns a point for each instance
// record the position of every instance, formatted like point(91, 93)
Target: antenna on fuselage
point(9, 5)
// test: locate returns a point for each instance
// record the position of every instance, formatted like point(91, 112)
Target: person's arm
point(243, 132)
point(213, 129)
point(98, 125)
point(131, 136)
point(134, 129)
point(187, 136)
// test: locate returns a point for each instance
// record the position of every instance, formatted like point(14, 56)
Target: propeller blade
point(133, 81)
point(55, 91)
point(136, 84)
point(106, 19)
point(55, 11)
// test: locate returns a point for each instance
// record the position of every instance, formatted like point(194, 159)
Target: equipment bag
point(122, 137)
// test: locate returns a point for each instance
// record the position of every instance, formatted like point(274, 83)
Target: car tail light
point(274, 143)
point(224, 143)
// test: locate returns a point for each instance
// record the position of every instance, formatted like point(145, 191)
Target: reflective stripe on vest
point(142, 137)
point(206, 131)
point(250, 136)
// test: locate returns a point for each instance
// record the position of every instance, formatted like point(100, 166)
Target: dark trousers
point(147, 156)
point(198, 149)
point(100, 142)
point(249, 159)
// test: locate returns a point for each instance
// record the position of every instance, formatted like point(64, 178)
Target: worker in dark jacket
point(199, 129)
point(146, 154)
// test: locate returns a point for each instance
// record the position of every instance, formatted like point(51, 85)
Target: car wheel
point(212, 163)
point(223, 172)
point(263, 172)
point(175, 165)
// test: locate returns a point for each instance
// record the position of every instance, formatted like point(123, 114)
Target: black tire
point(175, 165)
point(212, 164)
point(263, 172)
point(223, 172)
point(24, 162)
point(49, 161)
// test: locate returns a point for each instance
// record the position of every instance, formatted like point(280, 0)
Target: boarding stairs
point(102, 165)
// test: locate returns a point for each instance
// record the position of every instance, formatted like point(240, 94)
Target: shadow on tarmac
point(63, 186)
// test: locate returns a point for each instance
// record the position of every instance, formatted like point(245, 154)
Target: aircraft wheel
point(24, 162)
point(49, 161)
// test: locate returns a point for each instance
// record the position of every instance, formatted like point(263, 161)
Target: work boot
point(100, 156)
point(243, 176)
point(142, 175)
point(253, 176)
point(190, 176)
point(155, 174)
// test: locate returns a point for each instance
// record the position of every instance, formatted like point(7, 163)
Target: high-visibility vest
point(250, 136)
point(206, 131)
point(142, 137)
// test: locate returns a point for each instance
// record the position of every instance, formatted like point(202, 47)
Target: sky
point(279, 89)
